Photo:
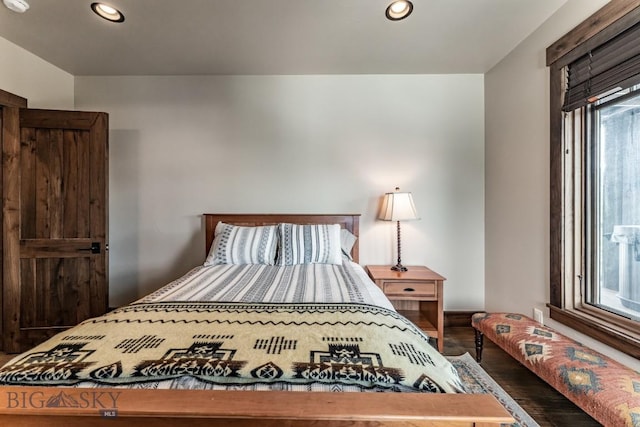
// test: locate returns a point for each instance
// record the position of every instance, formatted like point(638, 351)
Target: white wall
point(517, 174)
point(26, 75)
point(181, 146)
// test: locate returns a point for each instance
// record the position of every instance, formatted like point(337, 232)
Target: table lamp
point(398, 206)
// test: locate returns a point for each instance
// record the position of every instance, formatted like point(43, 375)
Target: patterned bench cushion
point(602, 387)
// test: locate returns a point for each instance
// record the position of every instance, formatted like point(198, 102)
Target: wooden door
point(55, 199)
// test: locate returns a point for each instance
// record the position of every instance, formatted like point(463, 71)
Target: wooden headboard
point(349, 221)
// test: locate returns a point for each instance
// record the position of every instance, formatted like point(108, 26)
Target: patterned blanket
point(240, 343)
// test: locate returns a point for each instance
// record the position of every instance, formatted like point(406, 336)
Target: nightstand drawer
point(398, 288)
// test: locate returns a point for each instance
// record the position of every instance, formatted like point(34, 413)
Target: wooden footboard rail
point(59, 406)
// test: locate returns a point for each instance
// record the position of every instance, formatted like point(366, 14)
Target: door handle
point(94, 248)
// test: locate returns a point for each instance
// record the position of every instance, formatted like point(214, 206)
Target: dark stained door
point(55, 200)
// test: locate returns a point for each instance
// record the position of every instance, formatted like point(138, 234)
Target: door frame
point(10, 105)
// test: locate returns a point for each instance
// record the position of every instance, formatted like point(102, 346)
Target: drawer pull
point(408, 289)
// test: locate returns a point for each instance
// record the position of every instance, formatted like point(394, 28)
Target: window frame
point(566, 236)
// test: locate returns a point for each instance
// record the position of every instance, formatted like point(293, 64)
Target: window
point(612, 208)
point(595, 178)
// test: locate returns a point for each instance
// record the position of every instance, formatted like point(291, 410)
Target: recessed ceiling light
point(399, 9)
point(20, 6)
point(107, 12)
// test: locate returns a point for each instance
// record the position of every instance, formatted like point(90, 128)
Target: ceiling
point(209, 37)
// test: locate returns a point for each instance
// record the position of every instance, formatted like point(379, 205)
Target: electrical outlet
point(537, 315)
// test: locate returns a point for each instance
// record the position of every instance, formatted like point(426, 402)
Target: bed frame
point(64, 406)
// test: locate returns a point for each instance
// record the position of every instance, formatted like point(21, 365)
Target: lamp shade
point(398, 206)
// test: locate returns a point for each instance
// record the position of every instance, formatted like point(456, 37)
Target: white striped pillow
point(347, 240)
point(309, 244)
point(234, 244)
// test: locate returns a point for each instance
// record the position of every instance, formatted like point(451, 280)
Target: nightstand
point(416, 294)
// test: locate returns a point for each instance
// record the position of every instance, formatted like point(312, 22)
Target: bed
point(64, 398)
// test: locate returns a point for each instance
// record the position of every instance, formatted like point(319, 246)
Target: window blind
point(611, 66)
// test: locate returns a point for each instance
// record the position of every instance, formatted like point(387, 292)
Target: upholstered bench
point(602, 387)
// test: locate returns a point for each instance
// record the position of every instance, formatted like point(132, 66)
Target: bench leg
point(479, 345)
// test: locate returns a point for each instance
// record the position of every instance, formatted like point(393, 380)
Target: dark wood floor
point(542, 402)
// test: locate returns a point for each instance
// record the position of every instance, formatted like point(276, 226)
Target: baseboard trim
point(458, 318)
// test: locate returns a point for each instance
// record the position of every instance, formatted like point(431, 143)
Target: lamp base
point(399, 267)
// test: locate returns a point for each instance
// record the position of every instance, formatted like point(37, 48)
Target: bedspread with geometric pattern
point(240, 343)
point(602, 387)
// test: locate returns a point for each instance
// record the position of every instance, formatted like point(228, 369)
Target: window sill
point(595, 327)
